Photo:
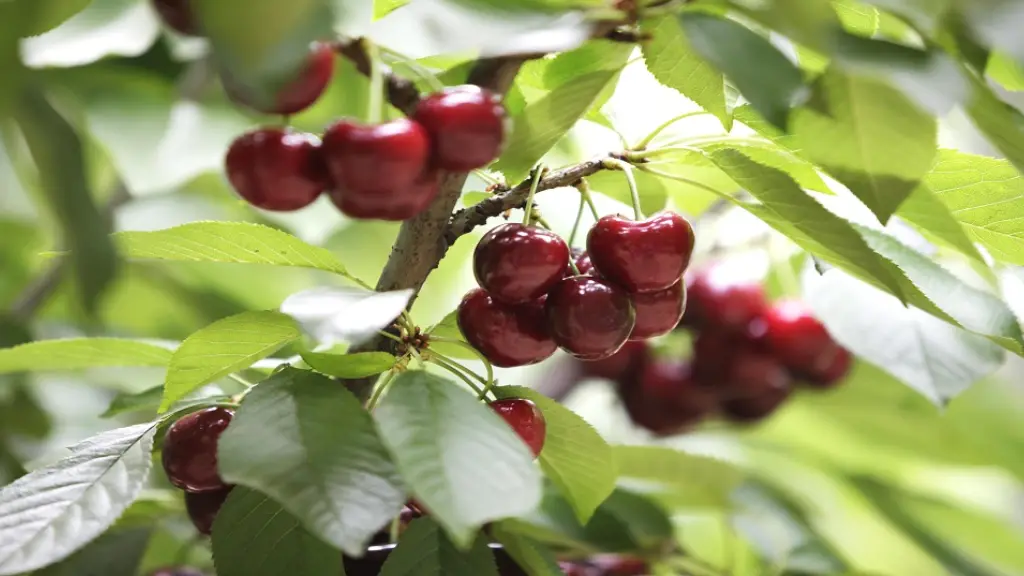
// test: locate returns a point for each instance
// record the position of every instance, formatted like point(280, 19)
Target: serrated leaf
point(255, 536)
point(575, 457)
point(456, 454)
point(926, 210)
point(52, 512)
point(81, 353)
point(766, 78)
point(780, 158)
point(307, 442)
point(869, 137)
point(117, 553)
point(685, 480)
point(229, 242)
point(352, 315)
point(934, 358)
point(228, 345)
point(532, 557)
point(674, 63)
point(424, 549)
point(359, 365)
point(1001, 123)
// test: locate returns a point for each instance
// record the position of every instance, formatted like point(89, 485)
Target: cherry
point(658, 313)
point(718, 299)
point(190, 450)
point(665, 398)
point(830, 373)
point(517, 263)
point(202, 508)
point(614, 565)
point(797, 338)
point(178, 15)
point(626, 360)
point(577, 569)
point(526, 419)
point(588, 317)
point(403, 204)
point(507, 335)
point(177, 571)
point(644, 256)
point(276, 169)
point(714, 352)
point(756, 386)
point(466, 126)
point(298, 94)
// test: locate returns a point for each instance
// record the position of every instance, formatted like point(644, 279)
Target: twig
point(401, 92)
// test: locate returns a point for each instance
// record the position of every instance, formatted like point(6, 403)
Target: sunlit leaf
point(81, 353)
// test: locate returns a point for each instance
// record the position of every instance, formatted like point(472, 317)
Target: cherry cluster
point(627, 286)
point(190, 462)
point(748, 356)
point(606, 565)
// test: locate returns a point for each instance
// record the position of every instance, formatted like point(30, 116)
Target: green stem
point(375, 107)
point(540, 220)
point(451, 367)
point(241, 380)
point(634, 192)
point(682, 179)
point(654, 134)
point(655, 152)
point(576, 224)
point(538, 171)
point(467, 346)
point(584, 189)
point(390, 336)
point(378, 391)
point(396, 524)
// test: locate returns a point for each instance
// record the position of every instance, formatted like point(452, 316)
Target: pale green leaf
point(1006, 71)
point(226, 346)
point(780, 158)
point(51, 13)
point(857, 17)
point(531, 556)
point(448, 328)
point(116, 553)
point(81, 353)
point(307, 442)
point(424, 549)
point(685, 480)
point(926, 210)
point(1001, 123)
point(148, 399)
point(358, 365)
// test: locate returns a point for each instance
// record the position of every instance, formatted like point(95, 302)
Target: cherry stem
point(390, 336)
point(396, 524)
point(684, 180)
point(538, 172)
point(664, 126)
point(634, 192)
point(241, 380)
point(655, 152)
point(378, 391)
point(375, 107)
point(584, 189)
point(467, 346)
point(418, 69)
point(451, 367)
point(576, 224)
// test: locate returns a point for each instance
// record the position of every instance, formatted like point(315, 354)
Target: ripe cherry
point(665, 398)
point(797, 338)
point(298, 94)
point(402, 204)
point(178, 15)
point(718, 299)
point(589, 317)
point(658, 313)
point(757, 384)
point(517, 263)
point(828, 374)
point(466, 126)
point(276, 169)
point(177, 571)
point(526, 419)
point(714, 352)
point(202, 508)
point(614, 565)
point(190, 450)
point(579, 569)
point(628, 359)
point(644, 256)
point(508, 335)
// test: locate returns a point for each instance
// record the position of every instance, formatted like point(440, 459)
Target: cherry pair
point(190, 462)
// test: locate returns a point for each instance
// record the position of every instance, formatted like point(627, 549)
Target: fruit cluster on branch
point(190, 462)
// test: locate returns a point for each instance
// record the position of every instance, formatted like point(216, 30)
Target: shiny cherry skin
point(202, 508)
point(299, 93)
point(756, 386)
point(645, 256)
point(718, 300)
point(580, 257)
point(177, 571)
point(526, 419)
point(190, 450)
point(628, 359)
point(276, 169)
point(588, 317)
point(508, 335)
point(403, 204)
point(466, 126)
point(666, 399)
point(614, 565)
point(797, 338)
point(178, 15)
point(658, 313)
point(831, 373)
point(517, 263)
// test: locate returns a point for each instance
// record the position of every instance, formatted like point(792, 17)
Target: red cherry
point(403, 204)
point(202, 508)
point(621, 565)
point(298, 94)
point(466, 126)
point(756, 386)
point(628, 359)
point(577, 569)
point(190, 450)
point(176, 571)
point(507, 335)
point(583, 264)
point(645, 256)
point(658, 313)
point(178, 15)
point(588, 317)
point(797, 338)
point(830, 373)
point(666, 399)
point(714, 352)
point(517, 263)
point(716, 299)
point(526, 419)
point(276, 169)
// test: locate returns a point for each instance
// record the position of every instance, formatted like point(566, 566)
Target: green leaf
point(654, 191)
point(780, 158)
point(255, 536)
point(51, 13)
point(81, 353)
point(125, 28)
point(116, 553)
point(869, 137)
point(531, 556)
point(308, 443)
point(765, 77)
point(148, 399)
point(226, 346)
point(448, 327)
point(674, 63)
point(926, 210)
point(359, 365)
point(424, 549)
point(683, 479)
point(345, 314)
point(58, 155)
point(1004, 70)
point(936, 359)
point(575, 457)
point(456, 454)
point(54, 511)
point(1001, 123)
point(227, 242)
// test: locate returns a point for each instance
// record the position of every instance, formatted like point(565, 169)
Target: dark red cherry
point(589, 317)
point(582, 261)
point(508, 335)
point(466, 126)
point(717, 299)
point(829, 374)
point(190, 450)
point(526, 419)
point(797, 338)
point(757, 384)
point(665, 398)
point(658, 313)
point(202, 508)
point(517, 263)
point(300, 92)
point(276, 169)
point(614, 565)
point(628, 359)
point(645, 256)
point(579, 569)
point(402, 204)
point(714, 352)
point(176, 571)
point(178, 15)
